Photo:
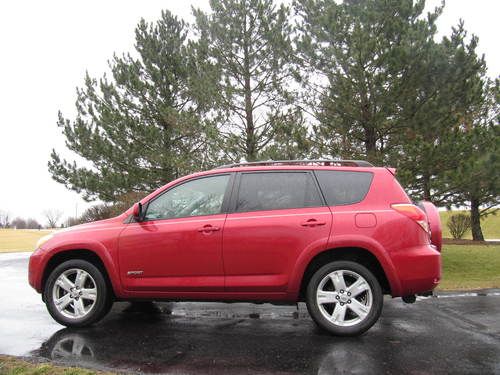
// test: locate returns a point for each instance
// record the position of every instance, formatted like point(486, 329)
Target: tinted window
point(198, 197)
point(276, 190)
point(342, 187)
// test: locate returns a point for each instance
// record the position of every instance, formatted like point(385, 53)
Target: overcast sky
point(45, 49)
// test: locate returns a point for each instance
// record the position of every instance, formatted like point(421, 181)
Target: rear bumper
point(418, 269)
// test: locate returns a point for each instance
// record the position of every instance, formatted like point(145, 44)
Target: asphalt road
point(449, 334)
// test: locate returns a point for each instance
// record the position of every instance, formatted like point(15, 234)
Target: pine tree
point(475, 180)
point(364, 53)
point(449, 152)
point(395, 96)
point(141, 127)
point(449, 90)
point(249, 43)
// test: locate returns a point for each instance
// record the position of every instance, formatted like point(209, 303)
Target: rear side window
point(277, 190)
point(344, 187)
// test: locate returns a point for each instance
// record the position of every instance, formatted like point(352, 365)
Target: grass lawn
point(490, 225)
point(12, 240)
point(14, 366)
point(470, 267)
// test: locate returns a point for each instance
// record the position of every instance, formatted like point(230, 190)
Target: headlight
point(44, 239)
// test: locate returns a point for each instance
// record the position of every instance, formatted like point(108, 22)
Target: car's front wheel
point(76, 294)
point(344, 298)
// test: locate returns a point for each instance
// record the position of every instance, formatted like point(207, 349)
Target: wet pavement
point(450, 334)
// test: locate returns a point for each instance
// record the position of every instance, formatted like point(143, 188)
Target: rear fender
point(347, 241)
point(434, 223)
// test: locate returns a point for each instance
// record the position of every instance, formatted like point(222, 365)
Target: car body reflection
point(151, 339)
point(214, 339)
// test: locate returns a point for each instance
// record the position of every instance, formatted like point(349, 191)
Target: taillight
point(414, 213)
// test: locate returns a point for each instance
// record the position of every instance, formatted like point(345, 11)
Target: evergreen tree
point(249, 43)
point(141, 127)
point(367, 53)
point(475, 180)
point(450, 89)
point(397, 97)
point(449, 152)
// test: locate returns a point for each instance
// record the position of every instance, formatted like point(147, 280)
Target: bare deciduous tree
point(4, 219)
point(52, 216)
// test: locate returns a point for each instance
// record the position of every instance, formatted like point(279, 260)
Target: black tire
point(107, 307)
point(328, 325)
point(103, 301)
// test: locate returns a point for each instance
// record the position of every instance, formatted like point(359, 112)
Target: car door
point(178, 246)
point(276, 216)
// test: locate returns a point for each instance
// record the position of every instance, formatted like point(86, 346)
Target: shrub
point(72, 221)
point(458, 225)
point(33, 224)
point(19, 223)
point(97, 212)
point(125, 201)
point(107, 210)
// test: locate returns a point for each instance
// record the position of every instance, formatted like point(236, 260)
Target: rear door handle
point(313, 223)
point(208, 228)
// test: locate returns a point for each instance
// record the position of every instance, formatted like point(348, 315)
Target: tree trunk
point(250, 127)
point(370, 143)
point(250, 141)
point(477, 233)
point(426, 186)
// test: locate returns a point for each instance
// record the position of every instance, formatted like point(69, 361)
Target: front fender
point(90, 245)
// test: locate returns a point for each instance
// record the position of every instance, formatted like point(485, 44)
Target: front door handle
point(313, 223)
point(208, 228)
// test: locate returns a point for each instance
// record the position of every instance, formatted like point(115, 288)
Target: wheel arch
point(72, 254)
point(355, 254)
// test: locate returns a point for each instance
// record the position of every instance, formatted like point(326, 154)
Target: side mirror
point(137, 211)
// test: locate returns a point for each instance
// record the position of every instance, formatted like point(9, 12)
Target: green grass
point(470, 267)
point(13, 240)
point(15, 366)
point(490, 225)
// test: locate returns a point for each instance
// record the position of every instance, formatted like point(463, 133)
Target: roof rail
point(324, 162)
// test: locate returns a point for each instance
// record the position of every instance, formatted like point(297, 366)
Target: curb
point(467, 293)
point(15, 255)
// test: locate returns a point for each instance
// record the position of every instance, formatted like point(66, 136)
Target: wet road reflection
point(160, 340)
point(436, 335)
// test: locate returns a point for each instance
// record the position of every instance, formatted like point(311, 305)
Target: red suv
point(335, 234)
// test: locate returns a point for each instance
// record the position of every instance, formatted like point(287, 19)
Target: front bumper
point(35, 270)
point(418, 269)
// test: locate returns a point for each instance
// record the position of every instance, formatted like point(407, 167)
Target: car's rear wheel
point(76, 294)
point(344, 298)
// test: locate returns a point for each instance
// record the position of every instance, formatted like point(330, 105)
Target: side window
point(202, 196)
point(344, 187)
point(276, 190)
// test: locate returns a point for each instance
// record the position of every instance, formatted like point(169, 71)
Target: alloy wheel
point(74, 293)
point(344, 298)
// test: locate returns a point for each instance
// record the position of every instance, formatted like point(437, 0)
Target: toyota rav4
point(335, 234)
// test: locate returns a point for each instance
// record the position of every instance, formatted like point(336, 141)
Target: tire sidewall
point(101, 303)
point(318, 317)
